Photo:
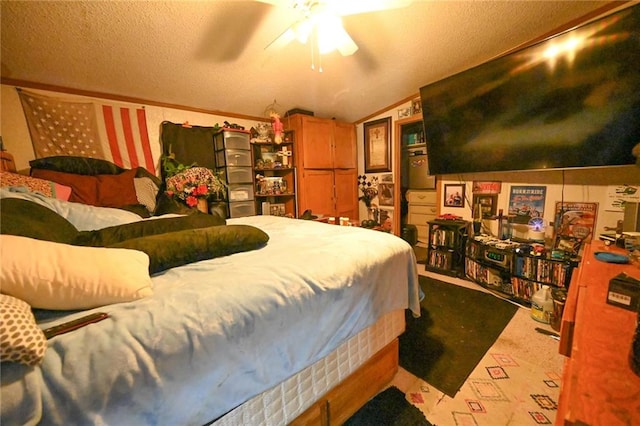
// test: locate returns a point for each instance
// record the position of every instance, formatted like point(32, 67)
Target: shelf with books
point(275, 176)
point(513, 269)
point(445, 251)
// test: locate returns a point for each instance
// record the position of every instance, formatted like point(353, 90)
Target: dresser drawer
point(420, 209)
point(423, 233)
point(420, 218)
point(421, 197)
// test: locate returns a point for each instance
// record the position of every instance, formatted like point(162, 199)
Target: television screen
point(570, 101)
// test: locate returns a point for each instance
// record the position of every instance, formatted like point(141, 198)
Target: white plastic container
point(542, 305)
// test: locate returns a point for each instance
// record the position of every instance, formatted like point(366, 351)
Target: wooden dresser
point(598, 386)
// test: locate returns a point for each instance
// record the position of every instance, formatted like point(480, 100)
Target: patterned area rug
point(517, 382)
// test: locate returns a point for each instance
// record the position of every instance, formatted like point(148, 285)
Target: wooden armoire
point(327, 165)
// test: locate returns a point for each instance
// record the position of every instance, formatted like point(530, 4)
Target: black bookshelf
point(446, 246)
point(505, 267)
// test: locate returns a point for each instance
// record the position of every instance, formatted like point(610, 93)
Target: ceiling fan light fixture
point(302, 30)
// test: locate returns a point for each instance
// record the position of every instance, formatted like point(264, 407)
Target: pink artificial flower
point(191, 201)
point(202, 189)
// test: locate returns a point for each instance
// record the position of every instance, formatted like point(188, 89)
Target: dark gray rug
point(388, 408)
point(457, 327)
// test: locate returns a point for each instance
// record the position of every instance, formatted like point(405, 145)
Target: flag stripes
point(115, 133)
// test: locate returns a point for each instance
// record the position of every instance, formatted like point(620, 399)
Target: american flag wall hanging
point(88, 129)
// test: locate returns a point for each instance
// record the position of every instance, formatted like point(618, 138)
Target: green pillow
point(179, 248)
point(86, 166)
point(118, 233)
point(28, 219)
point(77, 165)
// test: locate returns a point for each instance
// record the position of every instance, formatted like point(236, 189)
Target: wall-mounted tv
point(572, 100)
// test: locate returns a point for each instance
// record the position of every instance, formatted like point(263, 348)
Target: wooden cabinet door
point(344, 141)
point(316, 192)
point(317, 141)
point(346, 188)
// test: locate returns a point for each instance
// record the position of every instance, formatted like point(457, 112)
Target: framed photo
point(454, 195)
point(404, 112)
point(416, 106)
point(385, 194)
point(487, 205)
point(377, 146)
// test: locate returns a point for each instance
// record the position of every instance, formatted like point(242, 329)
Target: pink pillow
point(32, 184)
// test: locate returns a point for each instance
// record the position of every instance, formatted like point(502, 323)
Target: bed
point(255, 337)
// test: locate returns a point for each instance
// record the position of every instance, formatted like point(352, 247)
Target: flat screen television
point(572, 100)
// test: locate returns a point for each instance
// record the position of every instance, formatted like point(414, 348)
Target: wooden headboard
point(6, 162)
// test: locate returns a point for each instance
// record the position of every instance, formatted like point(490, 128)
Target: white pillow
point(50, 275)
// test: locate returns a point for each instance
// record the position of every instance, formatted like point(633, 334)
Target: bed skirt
point(283, 403)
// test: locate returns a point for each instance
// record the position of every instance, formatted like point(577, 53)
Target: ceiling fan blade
point(346, 45)
point(282, 40)
point(345, 8)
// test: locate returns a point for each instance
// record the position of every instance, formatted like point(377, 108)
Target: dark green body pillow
point(28, 219)
point(115, 234)
point(179, 248)
point(169, 242)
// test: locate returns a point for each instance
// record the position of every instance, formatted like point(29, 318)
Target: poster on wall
point(526, 202)
point(618, 195)
point(486, 187)
point(576, 220)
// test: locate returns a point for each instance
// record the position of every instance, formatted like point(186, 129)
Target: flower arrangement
point(190, 183)
point(369, 189)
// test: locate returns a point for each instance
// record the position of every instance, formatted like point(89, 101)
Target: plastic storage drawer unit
point(238, 174)
point(232, 140)
point(233, 157)
point(242, 208)
point(240, 192)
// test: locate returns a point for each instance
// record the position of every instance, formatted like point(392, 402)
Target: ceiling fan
point(320, 24)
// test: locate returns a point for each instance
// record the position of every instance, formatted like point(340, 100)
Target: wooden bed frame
point(340, 403)
point(6, 162)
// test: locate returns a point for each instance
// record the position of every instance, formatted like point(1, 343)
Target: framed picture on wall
point(416, 106)
point(486, 205)
point(377, 146)
point(454, 195)
point(385, 194)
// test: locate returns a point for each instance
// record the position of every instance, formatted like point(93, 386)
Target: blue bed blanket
point(217, 332)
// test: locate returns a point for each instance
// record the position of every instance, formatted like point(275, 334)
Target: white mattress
point(283, 403)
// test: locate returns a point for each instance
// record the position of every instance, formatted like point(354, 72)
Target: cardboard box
point(624, 292)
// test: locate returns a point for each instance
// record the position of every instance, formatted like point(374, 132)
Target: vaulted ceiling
point(211, 54)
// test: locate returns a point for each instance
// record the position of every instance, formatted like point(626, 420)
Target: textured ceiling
point(211, 54)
